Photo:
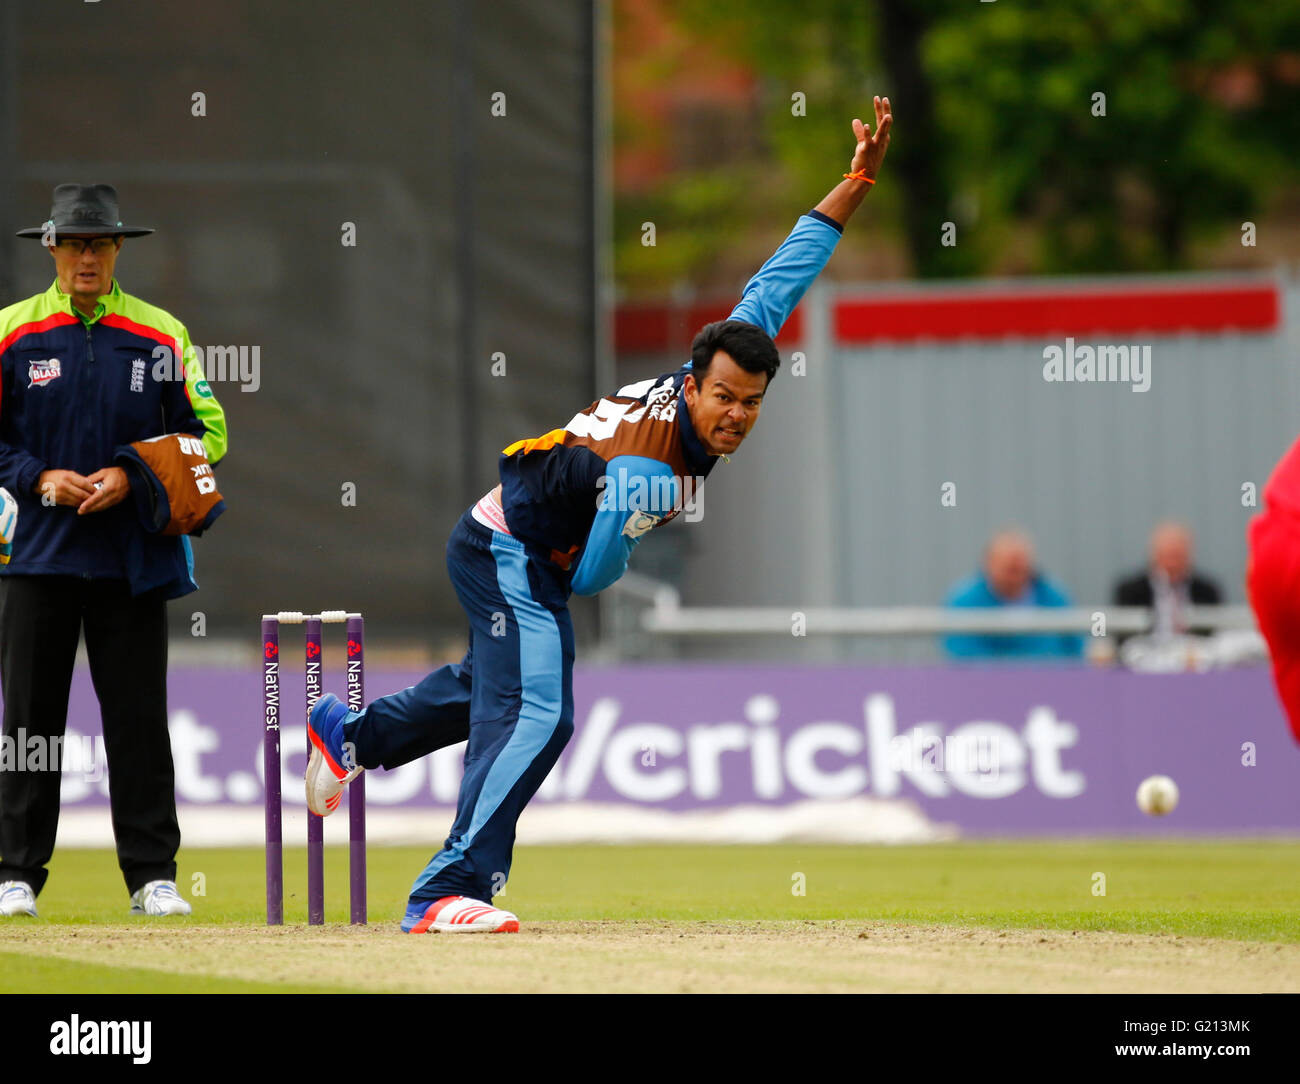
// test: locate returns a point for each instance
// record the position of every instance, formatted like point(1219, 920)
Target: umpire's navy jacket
point(74, 389)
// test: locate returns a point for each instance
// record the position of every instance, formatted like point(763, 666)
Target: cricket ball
point(1157, 795)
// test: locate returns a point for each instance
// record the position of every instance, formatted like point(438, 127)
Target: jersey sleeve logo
point(639, 524)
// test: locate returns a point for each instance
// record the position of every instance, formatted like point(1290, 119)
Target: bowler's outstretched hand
point(842, 200)
point(871, 149)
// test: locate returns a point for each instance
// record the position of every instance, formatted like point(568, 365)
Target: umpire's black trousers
point(41, 618)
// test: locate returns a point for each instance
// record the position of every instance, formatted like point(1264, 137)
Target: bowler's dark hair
point(749, 345)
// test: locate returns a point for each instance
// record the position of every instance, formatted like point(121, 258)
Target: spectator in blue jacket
point(1009, 578)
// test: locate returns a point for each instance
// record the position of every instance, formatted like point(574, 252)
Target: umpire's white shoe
point(159, 898)
point(458, 914)
point(17, 898)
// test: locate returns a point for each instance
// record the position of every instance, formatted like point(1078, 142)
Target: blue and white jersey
point(556, 489)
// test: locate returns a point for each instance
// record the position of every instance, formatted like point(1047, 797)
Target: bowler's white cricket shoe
point(458, 914)
point(330, 767)
point(17, 898)
point(159, 898)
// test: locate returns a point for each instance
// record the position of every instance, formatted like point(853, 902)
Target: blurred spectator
point(1169, 584)
point(1009, 578)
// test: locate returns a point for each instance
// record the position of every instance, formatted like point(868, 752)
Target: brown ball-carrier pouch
point(173, 484)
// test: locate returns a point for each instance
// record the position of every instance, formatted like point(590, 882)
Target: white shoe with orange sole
point(458, 914)
point(329, 768)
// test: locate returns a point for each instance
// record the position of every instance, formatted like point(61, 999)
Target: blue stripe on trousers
point(494, 770)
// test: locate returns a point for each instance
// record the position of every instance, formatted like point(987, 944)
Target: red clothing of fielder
point(1273, 578)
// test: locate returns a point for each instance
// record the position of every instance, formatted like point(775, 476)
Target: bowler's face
point(724, 409)
point(84, 265)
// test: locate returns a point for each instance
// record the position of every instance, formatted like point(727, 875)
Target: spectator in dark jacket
point(1169, 583)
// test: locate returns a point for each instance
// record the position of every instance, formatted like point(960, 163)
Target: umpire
point(80, 379)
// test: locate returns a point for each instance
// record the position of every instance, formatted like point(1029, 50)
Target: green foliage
point(1202, 115)
point(700, 214)
point(1123, 190)
point(692, 217)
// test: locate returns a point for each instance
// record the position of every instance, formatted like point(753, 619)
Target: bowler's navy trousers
point(511, 696)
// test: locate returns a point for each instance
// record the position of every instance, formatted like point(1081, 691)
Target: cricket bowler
point(571, 507)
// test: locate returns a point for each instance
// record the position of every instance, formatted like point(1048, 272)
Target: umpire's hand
point(101, 490)
point(111, 486)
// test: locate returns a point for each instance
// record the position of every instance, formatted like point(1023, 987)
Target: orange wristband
point(861, 175)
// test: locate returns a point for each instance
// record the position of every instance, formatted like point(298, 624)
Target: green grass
point(24, 974)
point(1228, 889)
point(1248, 890)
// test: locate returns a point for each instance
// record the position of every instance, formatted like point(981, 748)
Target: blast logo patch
point(40, 373)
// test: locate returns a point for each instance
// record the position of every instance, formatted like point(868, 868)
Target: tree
point(1109, 134)
point(1100, 122)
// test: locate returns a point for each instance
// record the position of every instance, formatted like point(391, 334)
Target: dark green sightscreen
point(259, 138)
